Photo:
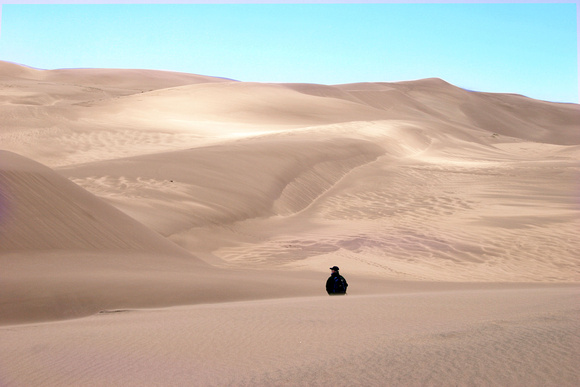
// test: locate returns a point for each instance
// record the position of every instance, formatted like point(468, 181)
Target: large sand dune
point(453, 214)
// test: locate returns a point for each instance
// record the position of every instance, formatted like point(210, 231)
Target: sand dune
point(65, 253)
point(191, 221)
point(44, 211)
point(140, 80)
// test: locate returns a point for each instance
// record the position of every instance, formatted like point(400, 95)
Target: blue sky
point(524, 48)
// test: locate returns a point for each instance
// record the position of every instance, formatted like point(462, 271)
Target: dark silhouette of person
point(336, 284)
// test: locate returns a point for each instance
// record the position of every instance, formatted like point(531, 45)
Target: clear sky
point(524, 48)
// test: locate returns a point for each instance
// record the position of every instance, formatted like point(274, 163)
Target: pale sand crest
point(453, 214)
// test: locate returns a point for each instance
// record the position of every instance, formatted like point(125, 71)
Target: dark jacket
point(332, 284)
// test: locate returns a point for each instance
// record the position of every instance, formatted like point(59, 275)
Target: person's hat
point(334, 268)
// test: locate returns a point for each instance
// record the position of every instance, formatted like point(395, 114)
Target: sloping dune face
point(66, 253)
point(42, 210)
point(413, 180)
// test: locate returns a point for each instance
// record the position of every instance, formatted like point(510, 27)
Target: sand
point(162, 228)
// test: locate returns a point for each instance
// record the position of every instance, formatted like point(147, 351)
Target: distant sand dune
point(184, 225)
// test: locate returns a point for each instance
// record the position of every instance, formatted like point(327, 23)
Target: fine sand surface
point(163, 228)
point(508, 337)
